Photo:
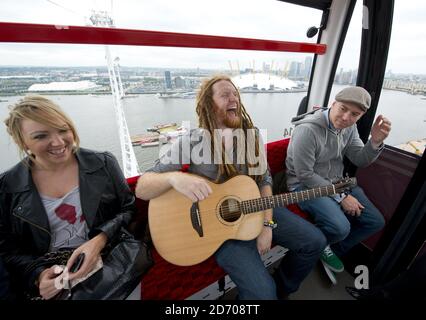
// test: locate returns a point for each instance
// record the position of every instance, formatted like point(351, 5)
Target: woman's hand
point(91, 250)
point(49, 286)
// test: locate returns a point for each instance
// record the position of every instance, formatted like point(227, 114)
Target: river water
point(96, 124)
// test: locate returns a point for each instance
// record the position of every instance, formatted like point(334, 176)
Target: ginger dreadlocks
point(207, 120)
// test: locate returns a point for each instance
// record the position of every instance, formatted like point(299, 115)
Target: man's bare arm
point(152, 184)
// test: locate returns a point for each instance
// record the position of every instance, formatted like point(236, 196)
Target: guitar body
point(172, 217)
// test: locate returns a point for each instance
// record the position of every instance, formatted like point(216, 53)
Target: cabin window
point(403, 98)
point(347, 68)
point(272, 83)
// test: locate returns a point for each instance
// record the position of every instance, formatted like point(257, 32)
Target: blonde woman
point(59, 196)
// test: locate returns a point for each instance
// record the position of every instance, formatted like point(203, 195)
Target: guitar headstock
point(344, 184)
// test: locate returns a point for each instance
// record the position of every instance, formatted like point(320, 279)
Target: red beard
point(228, 120)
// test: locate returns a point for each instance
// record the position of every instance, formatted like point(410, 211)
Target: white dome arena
point(262, 81)
point(64, 86)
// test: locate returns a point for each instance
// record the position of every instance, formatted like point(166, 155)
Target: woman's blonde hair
point(41, 110)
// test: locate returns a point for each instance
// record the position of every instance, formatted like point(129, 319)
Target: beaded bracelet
point(270, 223)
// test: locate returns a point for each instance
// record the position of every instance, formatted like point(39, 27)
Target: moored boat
point(161, 126)
point(144, 138)
point(414, 146)
point(149, 144)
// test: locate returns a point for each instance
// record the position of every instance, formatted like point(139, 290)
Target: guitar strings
point(236, 210)
point(251, 209)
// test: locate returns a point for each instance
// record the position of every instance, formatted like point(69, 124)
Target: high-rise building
point(266, 67)
point(179, 82)
point(168, 79)
point(295, 68)
point(308, 67)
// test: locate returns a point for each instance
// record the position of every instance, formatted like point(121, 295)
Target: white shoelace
point(328, 252)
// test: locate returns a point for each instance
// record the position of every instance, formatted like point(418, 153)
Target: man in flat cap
point(320, 141)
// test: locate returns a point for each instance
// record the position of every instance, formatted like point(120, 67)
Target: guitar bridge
point(196, 219)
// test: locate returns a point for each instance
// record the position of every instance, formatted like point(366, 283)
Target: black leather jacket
point(106, 201)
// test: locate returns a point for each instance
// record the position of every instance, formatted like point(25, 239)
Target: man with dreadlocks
point(220, 110)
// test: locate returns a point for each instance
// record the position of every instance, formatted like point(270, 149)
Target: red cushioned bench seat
point(165, 281)
point(276, 152)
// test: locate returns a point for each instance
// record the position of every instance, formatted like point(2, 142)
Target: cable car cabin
point(395, 182)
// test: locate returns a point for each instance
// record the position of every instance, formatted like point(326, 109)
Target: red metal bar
point(44, 33)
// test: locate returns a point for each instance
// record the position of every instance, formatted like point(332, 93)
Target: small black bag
point(125, 261)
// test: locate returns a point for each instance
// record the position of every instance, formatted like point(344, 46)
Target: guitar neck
point(282, 200)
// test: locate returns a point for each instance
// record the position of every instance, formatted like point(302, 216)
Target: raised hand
point(380, 130)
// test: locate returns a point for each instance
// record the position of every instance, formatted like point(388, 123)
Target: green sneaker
point(332, 261)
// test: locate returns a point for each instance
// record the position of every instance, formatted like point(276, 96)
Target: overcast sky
point(267, 19)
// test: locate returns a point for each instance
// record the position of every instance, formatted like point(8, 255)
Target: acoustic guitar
point(186, 233)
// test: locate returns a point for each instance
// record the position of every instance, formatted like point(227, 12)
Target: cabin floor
point(317, 286)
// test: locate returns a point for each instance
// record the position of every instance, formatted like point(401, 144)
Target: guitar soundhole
point(230, 210)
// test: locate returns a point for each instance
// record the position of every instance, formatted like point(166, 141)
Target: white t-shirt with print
point(67, 222)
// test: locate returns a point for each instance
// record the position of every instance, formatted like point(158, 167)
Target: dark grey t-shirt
point(193, 149)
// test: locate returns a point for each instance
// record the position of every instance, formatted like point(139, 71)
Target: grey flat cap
point(356, 95)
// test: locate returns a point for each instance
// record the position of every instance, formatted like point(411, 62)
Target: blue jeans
point(241, 260)
point(305, 243)
point(341, 230)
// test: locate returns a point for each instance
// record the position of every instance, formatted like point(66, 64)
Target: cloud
point(267, 19)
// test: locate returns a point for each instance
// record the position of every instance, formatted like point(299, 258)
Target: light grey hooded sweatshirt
point(315, 153)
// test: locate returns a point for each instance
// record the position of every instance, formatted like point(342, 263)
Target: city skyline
point(389, 72)
point(225, 18)
point(95, 80)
